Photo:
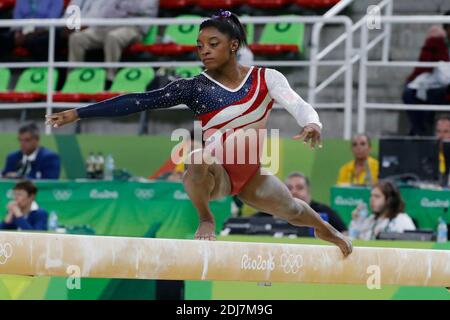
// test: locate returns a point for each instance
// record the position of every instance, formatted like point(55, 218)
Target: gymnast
point(227, 96)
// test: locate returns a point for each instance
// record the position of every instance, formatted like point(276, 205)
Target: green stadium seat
point(187, 72)
point(149, 38)
point(128, 80)
point(31, 86)
point(280, 38)
point(5, 75)
point(81, 85)
point(182, 39)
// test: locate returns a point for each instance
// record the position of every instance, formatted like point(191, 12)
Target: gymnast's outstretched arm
point(175, 93)
point(303, 112)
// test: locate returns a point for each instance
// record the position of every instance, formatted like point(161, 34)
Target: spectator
point(387, 213)
point(31, 161)
point(363, 169)
point(34, 39)
point(300, 188)
point(443, 133)
point(174, 172)
point(23, 212)
point(112, 39)
point(425, 85)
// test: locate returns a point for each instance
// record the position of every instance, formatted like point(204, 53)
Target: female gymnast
point(228, 95)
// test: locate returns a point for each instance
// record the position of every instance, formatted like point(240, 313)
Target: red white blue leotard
point(218, 107)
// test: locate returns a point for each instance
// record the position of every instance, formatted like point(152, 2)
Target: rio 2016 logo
point(248, 263)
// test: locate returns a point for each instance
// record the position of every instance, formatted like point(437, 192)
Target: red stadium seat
point(174, 4)
point(162, 49)
point(31, 86)
point(7, 4)
point(182, 41)
point(273, 49)
point(316, 3)
point(279, 39)
point(218, 4)
point(21, 96)
point(268, 4)
point(82, 84)
point(21, 52)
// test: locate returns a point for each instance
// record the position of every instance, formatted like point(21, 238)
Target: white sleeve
point(282, 93)
point(401, 223)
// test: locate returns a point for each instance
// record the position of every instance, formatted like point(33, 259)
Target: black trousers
point(421, 122)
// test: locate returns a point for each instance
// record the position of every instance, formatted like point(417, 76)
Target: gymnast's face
point(215, 48)
point(377, 201)
point(299, 189)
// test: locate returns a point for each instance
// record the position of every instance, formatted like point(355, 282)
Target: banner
point(423, 205)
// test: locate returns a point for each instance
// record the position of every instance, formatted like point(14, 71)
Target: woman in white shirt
point(387, 213)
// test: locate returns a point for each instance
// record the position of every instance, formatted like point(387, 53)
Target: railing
point(316, 57)
point(51, 64)
point(363, 103)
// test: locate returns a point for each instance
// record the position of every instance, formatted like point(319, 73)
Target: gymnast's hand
point(310, 133)
point(61, 118)
point(205, 231)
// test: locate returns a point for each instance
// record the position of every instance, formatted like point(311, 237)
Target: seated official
point(300, 188)
point(363, 169)
point(32, 161)
point(23, 213)
point(387, 215)
point(443, 134)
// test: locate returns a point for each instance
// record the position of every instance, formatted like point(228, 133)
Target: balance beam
point(44, 254)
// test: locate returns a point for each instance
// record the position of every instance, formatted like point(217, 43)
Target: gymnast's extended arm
point(303, 112)
point(282, 93)
point(175, 93)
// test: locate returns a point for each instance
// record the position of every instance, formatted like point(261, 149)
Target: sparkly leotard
point(218, 107)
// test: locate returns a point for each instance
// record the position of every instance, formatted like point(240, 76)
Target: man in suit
point(300, 188)
point(32, 161)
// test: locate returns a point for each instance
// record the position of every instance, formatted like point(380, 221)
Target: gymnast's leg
point(204, 182)
point(268, 194)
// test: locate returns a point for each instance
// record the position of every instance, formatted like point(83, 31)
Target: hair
point(394, 202)
point(446, 25)
point(227, 23)
point(443, 117)
point(28, 186)
point(297, 174)
point(363, 135)
point(31, 128)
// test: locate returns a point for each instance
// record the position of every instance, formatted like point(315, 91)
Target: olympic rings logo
point(291, 263)
point(144, 194)
point(5, 252)
point(62, 195)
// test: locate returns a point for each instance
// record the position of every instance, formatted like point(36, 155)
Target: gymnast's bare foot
point(206, 231)
point(330, 234)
